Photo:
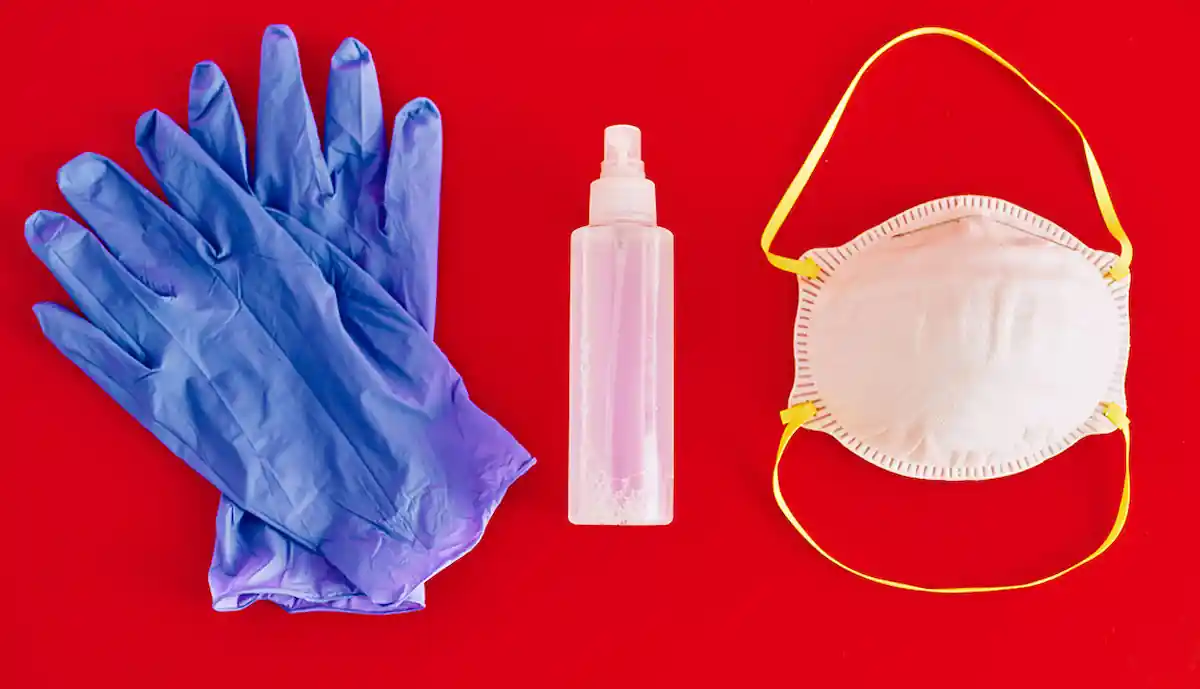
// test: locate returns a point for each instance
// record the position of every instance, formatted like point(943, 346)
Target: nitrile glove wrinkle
point(322, 444)
point(213, 210)
point(384, 219)
point(260, 563)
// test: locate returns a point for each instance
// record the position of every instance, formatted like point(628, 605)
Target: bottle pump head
point(622, 193)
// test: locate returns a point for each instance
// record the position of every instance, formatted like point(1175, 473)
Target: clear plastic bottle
point(622, 437)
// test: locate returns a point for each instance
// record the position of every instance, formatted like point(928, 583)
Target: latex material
point(964, 339)
point(380, 209)
point(273, 365)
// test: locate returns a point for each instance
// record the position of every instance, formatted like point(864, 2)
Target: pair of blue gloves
point(275, 331)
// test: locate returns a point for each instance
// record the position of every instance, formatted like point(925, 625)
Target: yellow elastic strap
point(808, 268)
point(800, 414)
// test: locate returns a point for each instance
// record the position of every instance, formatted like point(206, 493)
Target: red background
point(107, 536)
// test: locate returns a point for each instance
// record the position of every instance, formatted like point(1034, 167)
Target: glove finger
point(289, 171)
point(90, 349)
point(355, 145)
point(411, 201)
point(138, 229)
point(204, 195)
point(214, 123)
point(263, 264)
point(98, 283)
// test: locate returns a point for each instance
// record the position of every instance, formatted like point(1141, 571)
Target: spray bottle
point(622, 442)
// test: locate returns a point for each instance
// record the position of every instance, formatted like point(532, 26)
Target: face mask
point(964, 339)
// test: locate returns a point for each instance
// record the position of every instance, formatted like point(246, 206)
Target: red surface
point(107, 536)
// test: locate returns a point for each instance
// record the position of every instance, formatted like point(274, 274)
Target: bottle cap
point(622, 193)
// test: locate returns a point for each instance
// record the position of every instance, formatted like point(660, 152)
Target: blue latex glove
point(386, 221)
point(273, 365)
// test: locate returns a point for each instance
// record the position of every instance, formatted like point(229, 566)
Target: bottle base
point(594, 520)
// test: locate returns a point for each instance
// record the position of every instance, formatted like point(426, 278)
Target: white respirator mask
point(964, 339)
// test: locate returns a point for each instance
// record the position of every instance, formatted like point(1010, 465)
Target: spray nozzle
point(622, 152)
point(622, 193)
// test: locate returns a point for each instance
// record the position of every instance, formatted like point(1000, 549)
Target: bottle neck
point(622, 200)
